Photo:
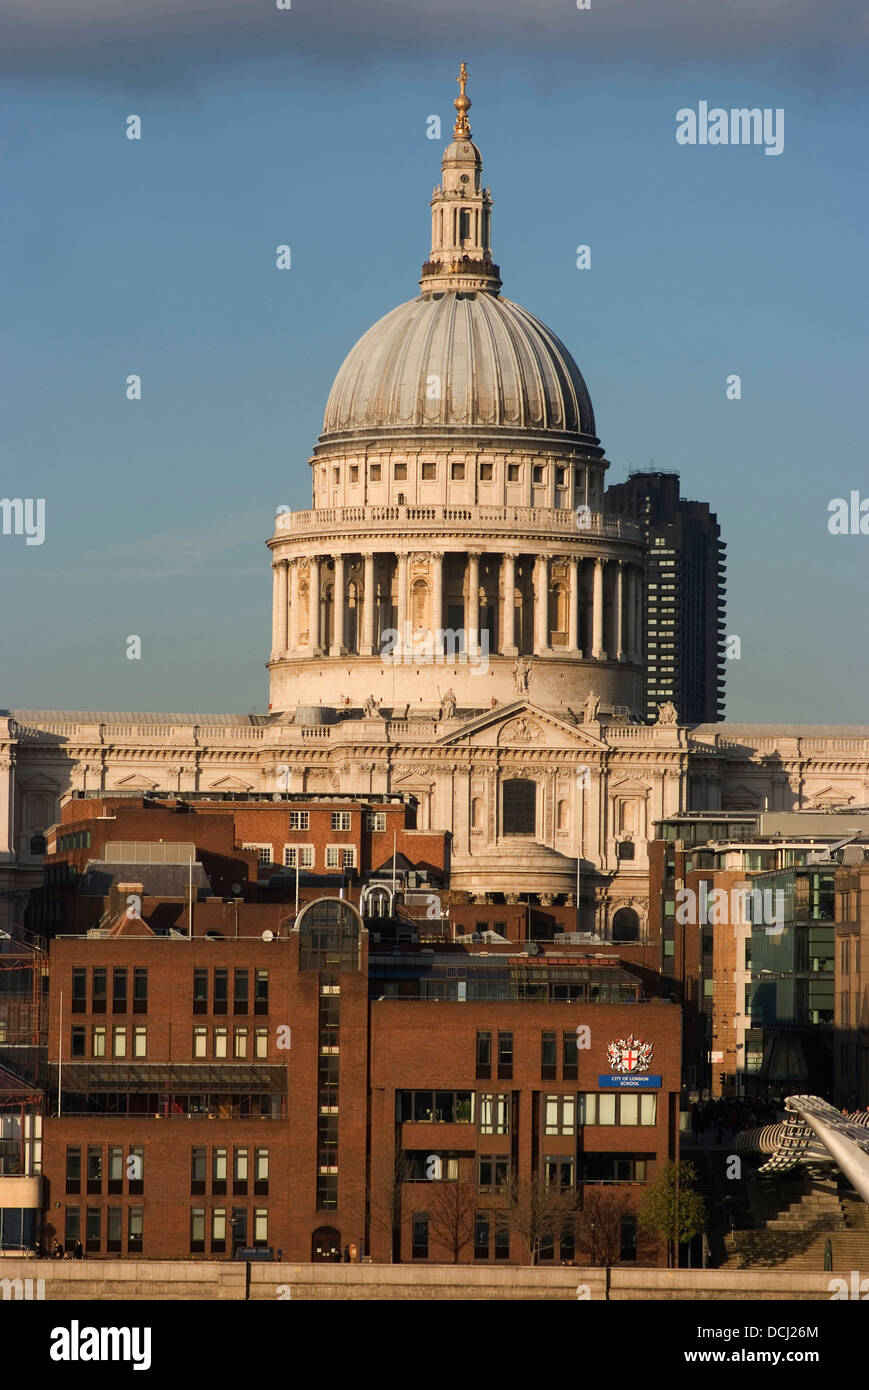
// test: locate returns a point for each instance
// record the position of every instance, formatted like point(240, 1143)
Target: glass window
point(221, 991)
point(98, 996)
point(200, 1042)
point(140, 1041)
point(457, 471)
point(135, 1228)
point(419, 1236)
point(481, 1236)
point(119, 1042)
point(73, 1168)
point(261, 1042)
point(119, 990)
point(79, 990)
point(218, 1172)
point(261, 992)
point(218, 1230)
point(99, 1042)
point(484, 1055)
point(239, 1002)
point(197, 1230)
point(93, 1228)
point(299, 820)
point(606, 1109)
point(200, 991)
point(136, 1170)
point(72, 1226)
point(241, 1042)
point(629, 1108)
point(114, 1228)
point(140, 990)
point(77, 1048)
point(494, 1114)
point(548, 1056)
point(648, 1109)
point(505, 1056)
point(512, 472)
point(429, 472)
point(260, 1226)
point(220, 1036)
point(116, 1169)
point(569, 1056)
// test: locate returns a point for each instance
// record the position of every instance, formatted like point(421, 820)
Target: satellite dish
point(236, 889)
point(276, 796)
point(268, 936)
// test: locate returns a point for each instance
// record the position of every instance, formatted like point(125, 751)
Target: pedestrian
point(58, 1252)
point(346, 1254)
point(79, 1250)
point(38, 1250)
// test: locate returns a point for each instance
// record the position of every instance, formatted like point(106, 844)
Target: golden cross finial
point(462, 103)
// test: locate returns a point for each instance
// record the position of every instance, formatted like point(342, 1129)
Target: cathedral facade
point(455, 618)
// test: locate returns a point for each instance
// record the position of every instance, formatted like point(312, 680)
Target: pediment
point(39, 783)
point(629, 786)
point(229, 784)
point(136, 781)
point(522, 725)
point(829, 796)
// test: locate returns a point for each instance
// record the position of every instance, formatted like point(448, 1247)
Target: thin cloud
point(159, 39)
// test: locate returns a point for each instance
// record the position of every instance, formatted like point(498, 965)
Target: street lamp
point(592, 1226)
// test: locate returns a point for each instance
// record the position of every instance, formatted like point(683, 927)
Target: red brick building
point(292, 1093)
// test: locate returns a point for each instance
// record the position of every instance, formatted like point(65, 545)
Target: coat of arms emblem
point(630, 1054)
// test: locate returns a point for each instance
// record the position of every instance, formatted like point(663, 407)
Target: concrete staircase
point(792, 1225)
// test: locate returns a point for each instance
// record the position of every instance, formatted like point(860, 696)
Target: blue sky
point(157, 257)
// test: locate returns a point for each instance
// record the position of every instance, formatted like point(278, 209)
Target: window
point(198, 1158)
point(375, 820)
point(116, 1170)
point(218, 1230)
point(119, 991)
point(77, 1048)
point(340, 820)
point(263, 853)
point(502, 1241)
point(220, 1038)
point(140, 990)
point(95, 1169)
point(616, 1167)
point(99, 1042)
point(298, 856)
point(625, 1108)
point(457, 471)
point(494, 1170)
point(72, 1226)
point(119, 1041)
point(200, 1042)
point(429, 472)
point(200, 991)
point(519, 800)
point(399, 472)
point(239, 998)
point(140, 1041)
point(512, 472)
point(558, 1170)
point(98, 990)
point(485, 472)
point(375, 472)
point(93, 1228)
point(481, 1236)
point(261, 1173)
point(560, 477)
point(136, 1170)
point(261, 992)
point(354, 472)
point(548, 1056)
point(197, 1230)
point(300, 820)
point(505, 1056)
point(260, 1226)
point(419, 1236)
point(240, 1043)
point(221, 991)
point(569, 1057)
point(73, 1169)
point(484, 1056)
point(494, 1114)
point(261, 1042)
point(238, 1222)
point(336, 475)
point(218, 1172)
point(559, 1114)
point(440, 1107)
point(239, 1172)
point(79, 990)
point(135, 1227)
point(340, 856)
point(538, 475)
point(327, 1191)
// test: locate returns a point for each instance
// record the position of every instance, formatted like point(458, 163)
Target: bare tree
point(384, 1197)
point(599, 1223)
point(539, 1212)
point(452, 1207)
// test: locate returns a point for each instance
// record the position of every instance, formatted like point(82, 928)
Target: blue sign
point(625, 1081)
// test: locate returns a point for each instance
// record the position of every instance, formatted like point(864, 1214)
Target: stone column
point(472, 621)
point(437, 600)
point(283, 609)
point(369, 601)
point(508, 626)
point(573, 608)
point(620, 601)
point(275, 583)
point(401, 600)
point(293, 638)
point(314, 605)
point(541, 604)
point(337, 648)
point(597, 650)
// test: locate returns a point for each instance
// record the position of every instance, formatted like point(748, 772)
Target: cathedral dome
point(458, 359)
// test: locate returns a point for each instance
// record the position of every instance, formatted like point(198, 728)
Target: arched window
point(477, 813)
point(563, 815)
point(519, 807)
point(419, 605)
point(626, 925)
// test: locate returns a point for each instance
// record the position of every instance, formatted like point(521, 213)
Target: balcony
point(458, 520)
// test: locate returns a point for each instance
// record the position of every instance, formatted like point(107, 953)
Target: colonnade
point(559, 601)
